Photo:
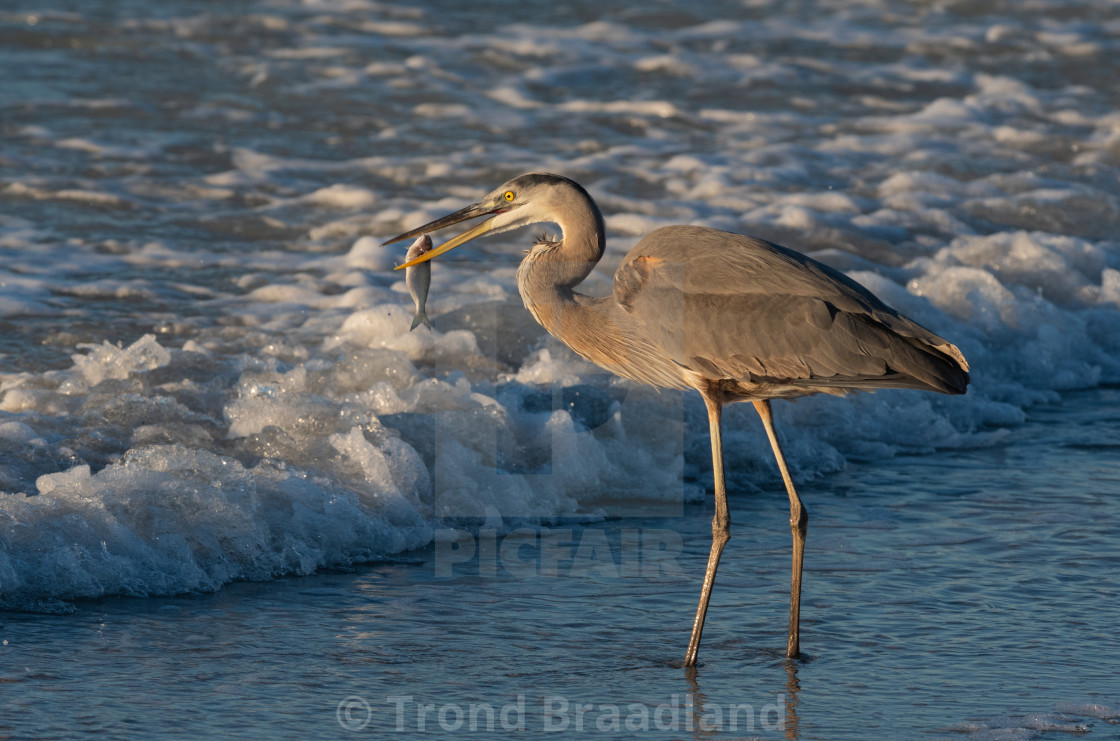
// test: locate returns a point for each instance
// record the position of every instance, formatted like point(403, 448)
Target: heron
point(736, 318)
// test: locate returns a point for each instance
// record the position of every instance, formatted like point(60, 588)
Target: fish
point(418, 278)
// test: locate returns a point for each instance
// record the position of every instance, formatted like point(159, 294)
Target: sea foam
point(206, 368)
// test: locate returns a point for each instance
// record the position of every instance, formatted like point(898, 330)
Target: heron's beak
point(472, 211)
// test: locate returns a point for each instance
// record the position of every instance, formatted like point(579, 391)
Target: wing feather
point(730, 306)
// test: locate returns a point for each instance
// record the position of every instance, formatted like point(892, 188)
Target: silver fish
point(418, 278)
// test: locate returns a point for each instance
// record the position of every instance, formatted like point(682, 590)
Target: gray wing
point(730, 306)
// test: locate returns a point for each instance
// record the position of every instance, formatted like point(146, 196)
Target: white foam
point(82, 195)
point(168, 519)
point(343, 196)
point(1019, 726)
point(114, 362)
point(212, 347)
point(1105, 711)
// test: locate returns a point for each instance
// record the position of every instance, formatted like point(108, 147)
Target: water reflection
point(709, 719)
point(793, 690)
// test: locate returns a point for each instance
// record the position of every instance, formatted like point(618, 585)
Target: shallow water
point(207, 378)
point(968, 594)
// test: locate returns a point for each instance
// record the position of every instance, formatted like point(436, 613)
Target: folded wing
point(730, 306)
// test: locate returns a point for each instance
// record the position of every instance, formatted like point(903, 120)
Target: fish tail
point(420, 318)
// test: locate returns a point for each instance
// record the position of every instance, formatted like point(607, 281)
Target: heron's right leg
point(799, 527)
point(721, 528)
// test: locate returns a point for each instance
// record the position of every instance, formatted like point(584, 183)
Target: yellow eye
point(508, 195)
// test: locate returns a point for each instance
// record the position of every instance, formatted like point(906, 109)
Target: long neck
point(599, 329)
point(550, 272)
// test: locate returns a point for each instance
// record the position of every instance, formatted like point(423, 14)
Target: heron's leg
point(721, 528)
point(798, 525)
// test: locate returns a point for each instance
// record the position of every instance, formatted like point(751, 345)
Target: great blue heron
point(734, 317)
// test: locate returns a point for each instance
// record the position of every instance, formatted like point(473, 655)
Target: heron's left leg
point(721, 526)
point(798, 525)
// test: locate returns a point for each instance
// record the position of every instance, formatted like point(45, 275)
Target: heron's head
point(527, 199)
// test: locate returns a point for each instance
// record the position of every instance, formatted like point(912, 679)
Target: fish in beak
point(488, 207)
point(418, 278)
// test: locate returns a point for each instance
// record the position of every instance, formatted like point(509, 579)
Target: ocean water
point(239, 497)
